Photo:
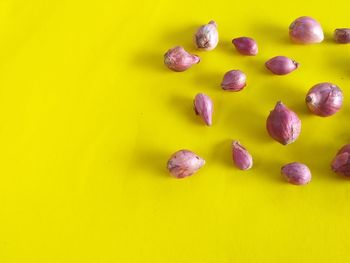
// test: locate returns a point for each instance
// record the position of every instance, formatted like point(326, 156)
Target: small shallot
point(281, 65)
point(341, 162)
point(283, 124)
point(246, 46)
point(324, 99)
point(342, 35)
point(241, 157)
point(296, 173)
point(203, 106)
point(184, 163)
point(207, 37)
point(234, 80)
point(178, 59)
point(306, 30)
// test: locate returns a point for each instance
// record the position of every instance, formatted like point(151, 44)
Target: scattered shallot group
point(282, 124)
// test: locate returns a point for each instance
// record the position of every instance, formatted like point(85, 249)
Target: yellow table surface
point(90, 115)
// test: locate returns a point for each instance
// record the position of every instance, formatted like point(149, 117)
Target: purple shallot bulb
point(234, 80)
point(281, 65)
point(178, 59)
point(246, 46)
point(203, 106)
point(341, 162)
point(342, 35)
point(324, 99)
point(296, 173)
point(207, 37)
point(184, 163)
point(241, 157)
point(283, 124)
point(306, 30)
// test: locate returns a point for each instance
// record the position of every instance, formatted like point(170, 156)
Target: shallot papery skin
point(306, 30)
point(234, 80)
point(296, 173)
point(207, 36)
point(203, 106)
point(341, 162)
point(283, 124)
point(324, 99)
point(281, 65)
point(342, 35)
point(246, 46)
point(184, 163)
point(241, 157)
point(178, 59)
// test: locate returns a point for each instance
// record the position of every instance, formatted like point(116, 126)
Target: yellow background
point(89, 116)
